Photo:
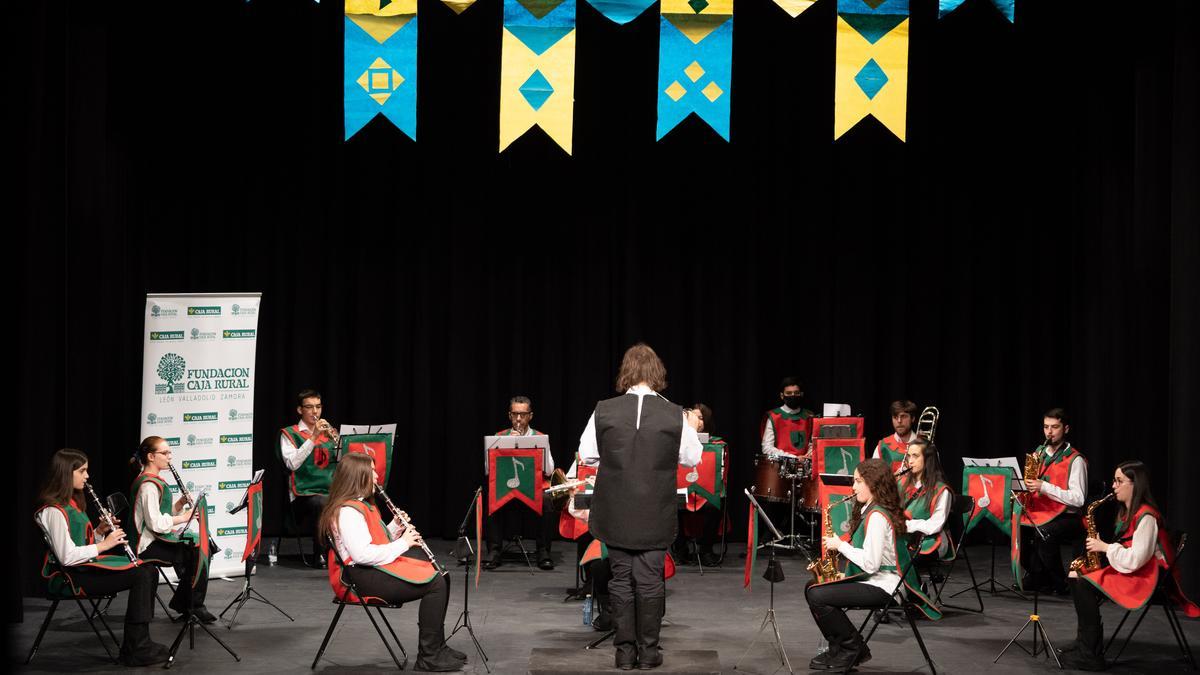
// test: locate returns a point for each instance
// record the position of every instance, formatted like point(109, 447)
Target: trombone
point(927, 422)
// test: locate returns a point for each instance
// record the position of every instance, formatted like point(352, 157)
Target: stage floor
point(513, 612)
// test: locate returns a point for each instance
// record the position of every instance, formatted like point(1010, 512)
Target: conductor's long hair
point(59, 487)
point(877, 474)
point(931, 475)
point(354, 478)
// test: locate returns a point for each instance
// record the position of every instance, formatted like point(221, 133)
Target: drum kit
point(789, 479)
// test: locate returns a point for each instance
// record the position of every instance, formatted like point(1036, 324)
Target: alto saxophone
point(825, 568)
point(1090, 560)
point(1033, 471)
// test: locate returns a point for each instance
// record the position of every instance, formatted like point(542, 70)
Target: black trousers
point(184, 559)
point(827, 603)
point(434, 597)
point(1087, 602)
point(307, 511)
point(1043, 559)
point(509, 521)
point(140, 581)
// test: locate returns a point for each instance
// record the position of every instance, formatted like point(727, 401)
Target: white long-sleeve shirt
point(768, 435)
point(1143, 546)
point(65, 550)
point(148, 520)
point(690, 448)
point(912, 436)
point(879, 550)
point(353, 539)
point(1076, 492)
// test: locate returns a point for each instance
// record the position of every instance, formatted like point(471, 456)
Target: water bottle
point(822, 645)
point(587, 610)
point(273, 553)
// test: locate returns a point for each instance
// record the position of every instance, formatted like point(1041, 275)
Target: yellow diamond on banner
point(379, 81)
point(694, 71)
point(675, 91)
point(712, 92)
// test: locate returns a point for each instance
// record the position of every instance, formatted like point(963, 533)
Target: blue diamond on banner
point(536, 89)
point(871, 78)
point(698, 5)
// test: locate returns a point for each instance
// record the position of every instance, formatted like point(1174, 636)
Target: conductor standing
point(639, 438)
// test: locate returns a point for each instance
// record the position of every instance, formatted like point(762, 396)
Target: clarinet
point(107, 517)
point(212, 545)
point(400, 516)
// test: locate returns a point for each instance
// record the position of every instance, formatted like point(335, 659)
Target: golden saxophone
point(825, 568)
point(1033, 471)
point(1090, 560)
point(399, 515)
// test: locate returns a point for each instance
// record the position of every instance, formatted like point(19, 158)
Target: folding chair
point(378, 605)
point(1161, 596)
point(900, 599)
point(960, 505)
point(94, 600)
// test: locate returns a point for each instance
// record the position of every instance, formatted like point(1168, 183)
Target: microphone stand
point(1035, 619)
point(464, 618)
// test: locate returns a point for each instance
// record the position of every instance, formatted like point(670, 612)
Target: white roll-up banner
point(198, 393)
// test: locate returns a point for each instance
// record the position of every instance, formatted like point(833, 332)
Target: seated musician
point(388, 560)
point(926, 498)
point(893, 448)
point(509, 518)
point(1055, 498)
point(707, 520)
point(154, 519)
point(309, 453)
point(598, 569)
point(1141, 552)
point(786, 429)
point(95, 567)
point(875, 554)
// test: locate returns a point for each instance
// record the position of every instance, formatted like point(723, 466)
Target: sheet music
point(1017, 480)
point(535, 441)
point(246, 494)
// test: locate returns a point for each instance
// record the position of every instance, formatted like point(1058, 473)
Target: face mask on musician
point(792, 402)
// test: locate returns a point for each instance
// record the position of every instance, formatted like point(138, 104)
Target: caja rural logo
point(173, 370)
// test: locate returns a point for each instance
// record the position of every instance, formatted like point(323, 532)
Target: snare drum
point(772, 480)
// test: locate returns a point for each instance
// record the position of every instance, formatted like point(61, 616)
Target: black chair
point(93, 600)
point(959, 506)
point(291, 530)
point(378, 605)
point(899, 599)
point(1161, 596)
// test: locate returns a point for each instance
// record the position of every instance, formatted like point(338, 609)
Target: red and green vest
point(911, 582)
point(315, 473)
point(165, 505)
point(1056, 470)
point(1132, 591)
point(412, 570)
point(915, 508)
point(893, 450)
point(59, 581)
point(792, 429)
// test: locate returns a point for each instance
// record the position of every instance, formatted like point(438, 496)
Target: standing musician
point(641, 439)
point(154, 519)
point(875, 554)
point(894, 448)
point(308, 449)
point(1141, 552)
point(786, 429)
point(1053, 503)
point(926, 498)
point(509, 518)
point(86, 567)
point(388, 561)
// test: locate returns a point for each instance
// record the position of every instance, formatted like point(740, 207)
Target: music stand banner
point(838, 455)
point(989, 486)
point(839, 516)
point(704, 482)
point(254, 500)
point(378, 447)
point(515, 474)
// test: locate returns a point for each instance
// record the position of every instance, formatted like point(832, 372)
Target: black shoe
point(454, 653)
point(442, 663)
point(821, 661)
point(204, 615)
point(845, 658)
point(625, 664)
point(710, 560)
point(137, 649)
point(1082, 660)
point(545, 563)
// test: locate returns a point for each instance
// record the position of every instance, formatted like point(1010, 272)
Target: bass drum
point(772, 479)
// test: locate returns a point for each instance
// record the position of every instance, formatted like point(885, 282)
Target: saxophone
point(1033, 471)
point(1090, 560)
point(825, 568)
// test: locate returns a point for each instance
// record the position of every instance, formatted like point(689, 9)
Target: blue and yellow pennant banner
point(537, 70)
point(794, 7)
point(1005, 7)
point(871, 72)
point(380, 72)
point(695, 63)
point(621, 11)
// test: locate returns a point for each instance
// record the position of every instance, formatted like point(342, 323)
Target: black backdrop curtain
point(1033, 243)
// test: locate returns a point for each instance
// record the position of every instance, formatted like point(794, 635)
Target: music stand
point(1009, 463)
point(190, 622)
point(773, 574)
point(464, 617)
point(248, 592)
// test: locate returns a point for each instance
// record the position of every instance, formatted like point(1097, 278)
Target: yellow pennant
point(537, 89)
point(871, 79)
point(794, 7)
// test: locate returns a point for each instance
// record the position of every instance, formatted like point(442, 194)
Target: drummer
point(785, 430)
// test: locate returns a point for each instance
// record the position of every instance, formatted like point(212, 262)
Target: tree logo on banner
point(170, 369)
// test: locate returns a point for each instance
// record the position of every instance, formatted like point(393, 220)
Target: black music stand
point(1034, 618)
point(463, 549)
point(773, 575)
point(248, 592)
point(190, 622)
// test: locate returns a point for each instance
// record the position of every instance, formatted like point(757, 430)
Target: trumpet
point(399, 515)
point(187, 496)
point(108, 519)
point(927, 422)
point(569, 485)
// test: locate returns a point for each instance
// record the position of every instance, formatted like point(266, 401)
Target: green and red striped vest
point(412, 570)
point(315, 474)
point(916, 508)
point(792, 429)
point(1041, 508)
point(79, 525)
point(893, 450)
